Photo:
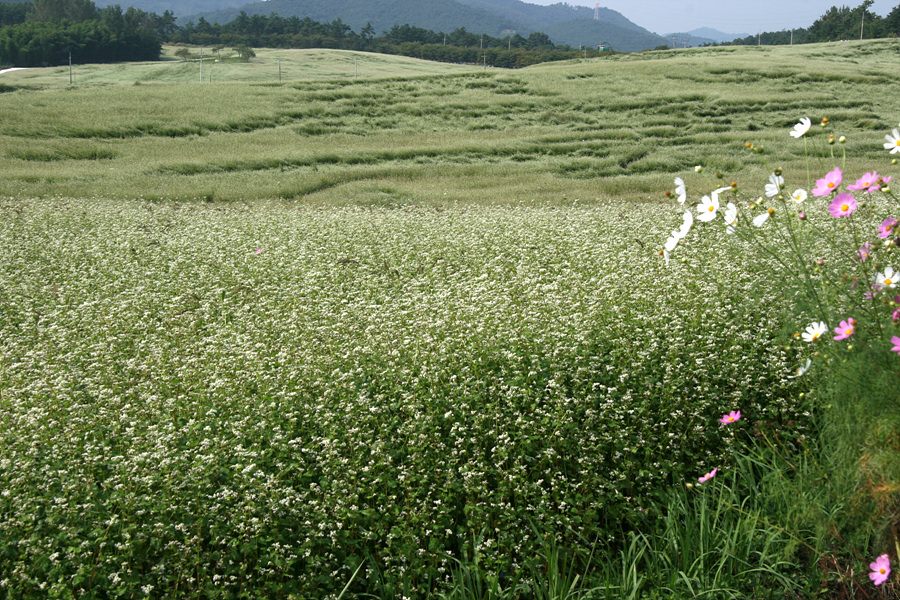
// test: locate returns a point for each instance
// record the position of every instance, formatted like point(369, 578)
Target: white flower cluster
point(264, 393)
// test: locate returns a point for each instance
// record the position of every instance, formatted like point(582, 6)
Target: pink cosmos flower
point(708, 476)
point(731, 417)
point(843, 205)
point(845, 329)
point(896, 316)
point(887, 227)
point(896, 342)
point(828, 184)
point(863, 252)
point(881, 569)
point(869, 182)
point(258, 250)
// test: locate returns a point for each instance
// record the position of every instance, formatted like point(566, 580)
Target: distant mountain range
point(701, 36)
point(565, 24)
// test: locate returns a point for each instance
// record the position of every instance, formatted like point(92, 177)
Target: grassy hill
point(310, 64)
point(620, 126)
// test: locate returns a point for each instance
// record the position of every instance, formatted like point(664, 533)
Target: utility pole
point(201, 65)
point(758, 38)
point(792, 37)
point(71, 79)
point(862, 23)
point(279, 69)
point(355, 66)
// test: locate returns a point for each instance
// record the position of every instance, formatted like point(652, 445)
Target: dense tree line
point(47, 32)
point(836, 24)
point(13, 13)
point(457, 46)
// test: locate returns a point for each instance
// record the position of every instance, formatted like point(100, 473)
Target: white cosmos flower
point(801, 128)
point(715, 193)
point(814, 331)
point(774, 185)
point(707, 208)
point(687, 223)
point(893, 142)
point(888, 278)
point(799, 195)
point(680, 190)
point(731, 218)
point(801, 369)
point(759, 220)
point(671, 242)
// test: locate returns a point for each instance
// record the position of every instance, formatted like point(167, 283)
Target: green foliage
point(837, 24)
point(245, 52)
point(57, 31)
point(41, 44)
point(13, 13)
point(62, 10)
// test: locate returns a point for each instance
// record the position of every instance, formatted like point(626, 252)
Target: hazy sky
point(729, 16)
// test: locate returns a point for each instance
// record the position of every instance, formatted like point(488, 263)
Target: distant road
point(2, 71)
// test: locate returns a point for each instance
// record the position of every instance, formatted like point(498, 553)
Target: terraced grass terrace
point(620, 127)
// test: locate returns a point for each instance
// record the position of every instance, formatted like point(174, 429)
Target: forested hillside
point(437, 15)
point(842, 23)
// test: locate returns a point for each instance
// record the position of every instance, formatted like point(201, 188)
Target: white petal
point(760, 219)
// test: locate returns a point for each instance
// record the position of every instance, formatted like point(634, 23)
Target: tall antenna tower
point(597, 11)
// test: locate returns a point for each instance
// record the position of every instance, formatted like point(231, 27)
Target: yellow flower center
point(848, 331)
point(831, 184)
point(888, 281)
point(815, 336)
point(845, 207)
point(882, 570)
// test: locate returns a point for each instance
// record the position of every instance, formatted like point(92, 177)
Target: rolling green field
point(618, 128)
point(409, 332)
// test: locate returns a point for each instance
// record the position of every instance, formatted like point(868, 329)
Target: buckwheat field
point(284, 388)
